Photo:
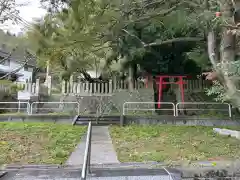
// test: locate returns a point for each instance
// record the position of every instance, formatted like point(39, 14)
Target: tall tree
point(129, 30)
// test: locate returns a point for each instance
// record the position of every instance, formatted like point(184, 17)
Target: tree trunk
point(228, 53)
point(130, 78)
point(212, 46)
point(47, 73)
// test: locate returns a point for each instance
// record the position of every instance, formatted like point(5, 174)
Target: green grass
point(172, 143)
point(37, 143)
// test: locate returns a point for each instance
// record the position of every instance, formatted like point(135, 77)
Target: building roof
point(19, 55)
point(5, 69)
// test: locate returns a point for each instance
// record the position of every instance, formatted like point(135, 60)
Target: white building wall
point(27, 75)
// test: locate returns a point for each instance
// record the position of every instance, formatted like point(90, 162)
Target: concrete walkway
point(102, 148)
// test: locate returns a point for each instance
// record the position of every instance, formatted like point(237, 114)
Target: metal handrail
point(87, 153)
point(54, 102)
point(204, 103)
point(143, 109)
point(28, 108)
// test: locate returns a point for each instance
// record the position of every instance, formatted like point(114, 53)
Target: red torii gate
point(161, 85)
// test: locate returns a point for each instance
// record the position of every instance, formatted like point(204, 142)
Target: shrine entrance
point(162, 84)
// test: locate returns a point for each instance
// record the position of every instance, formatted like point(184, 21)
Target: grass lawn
point(172, 143)
point(37, 143)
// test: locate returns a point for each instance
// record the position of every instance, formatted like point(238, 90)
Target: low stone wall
point(187, 121)
point(126, 120)
point(38, 118)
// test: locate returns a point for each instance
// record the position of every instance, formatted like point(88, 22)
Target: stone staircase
point(101, 121)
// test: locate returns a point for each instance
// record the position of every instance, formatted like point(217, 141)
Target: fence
point(32, 88)
point(110, 86)
point(197, 85)
point(62, 108)
point(103, 87)
point(26, 107)
point(148, 109)
point(59, 108)
point(15, 107)
point(176, 108)
point(203, 103)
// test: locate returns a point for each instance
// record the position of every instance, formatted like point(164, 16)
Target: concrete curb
point(227, 132)
point(200, 164)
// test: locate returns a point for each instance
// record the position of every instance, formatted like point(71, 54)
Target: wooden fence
point(33, 88)
point(108, 87)
point(111, 86)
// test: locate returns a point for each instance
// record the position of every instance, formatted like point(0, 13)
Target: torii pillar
point(161, 85)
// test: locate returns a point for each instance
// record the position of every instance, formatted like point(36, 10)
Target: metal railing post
point(177, 109)
point(89, 152)
point(124, 108)
point(78, 106)
point(174, 110)
point(87, 159)
point(230, 110)
point(28, 108)
point(31, 107)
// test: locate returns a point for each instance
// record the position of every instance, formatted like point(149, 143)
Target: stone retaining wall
point(38, 118)
point(188, 121)
point(126, 120)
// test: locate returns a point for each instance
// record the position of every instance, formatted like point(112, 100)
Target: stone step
point(105, 120)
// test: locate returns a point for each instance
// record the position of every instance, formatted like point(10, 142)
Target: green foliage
point(14, 88)
point(200, 56)
point(95, 34)
point(231, 69)
point(218, 91)
point(5, 82)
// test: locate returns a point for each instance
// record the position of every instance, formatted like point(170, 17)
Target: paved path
point(102, 148)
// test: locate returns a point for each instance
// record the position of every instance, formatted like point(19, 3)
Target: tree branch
point(175, 40)
point(143, 43)
point(6, 58)
point(147, 5)
point(168, 11)
point(15, 70)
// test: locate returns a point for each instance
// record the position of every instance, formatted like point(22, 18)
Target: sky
point(28, 12)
